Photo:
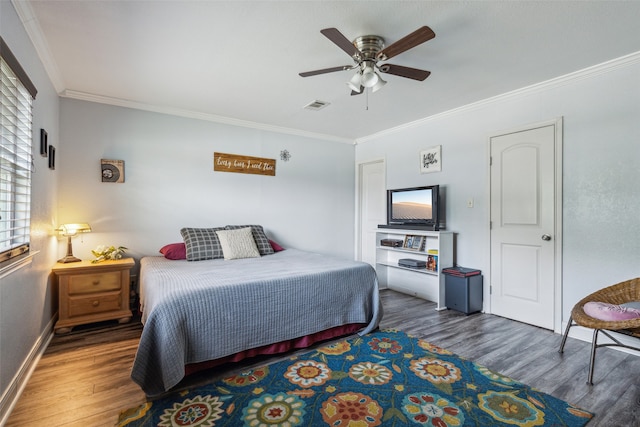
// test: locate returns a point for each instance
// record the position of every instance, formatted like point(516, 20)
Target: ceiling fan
point(368, 51)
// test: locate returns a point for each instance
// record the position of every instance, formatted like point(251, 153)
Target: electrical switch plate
point(470, 203)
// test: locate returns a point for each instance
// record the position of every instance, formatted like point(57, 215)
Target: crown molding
point(32, 27)
point(83, 96)
point(586, 73)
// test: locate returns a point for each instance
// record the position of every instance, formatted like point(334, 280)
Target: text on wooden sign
point(223, 162)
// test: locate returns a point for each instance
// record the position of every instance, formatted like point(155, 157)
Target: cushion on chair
point(632, 304)
point(610, 312)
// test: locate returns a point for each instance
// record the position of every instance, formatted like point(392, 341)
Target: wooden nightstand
point(92, 292)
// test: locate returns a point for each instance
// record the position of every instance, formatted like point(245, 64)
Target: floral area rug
point(386, 378)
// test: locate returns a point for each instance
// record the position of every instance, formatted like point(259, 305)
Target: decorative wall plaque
point(112, 170)
point(430, 160)
point(223, 162)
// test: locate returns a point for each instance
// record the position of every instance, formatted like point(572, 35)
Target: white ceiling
point(238, 61)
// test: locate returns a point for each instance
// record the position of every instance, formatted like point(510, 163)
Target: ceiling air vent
point(316, 105)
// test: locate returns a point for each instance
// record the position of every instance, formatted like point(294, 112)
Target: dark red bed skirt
point(280, 347)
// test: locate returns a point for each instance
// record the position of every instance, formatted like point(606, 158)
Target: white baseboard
point(16, 387)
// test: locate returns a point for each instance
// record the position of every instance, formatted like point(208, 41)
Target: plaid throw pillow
point(202, 243)
point(262, 242)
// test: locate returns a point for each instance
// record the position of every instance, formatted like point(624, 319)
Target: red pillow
point(174, 251)
point(276, 247)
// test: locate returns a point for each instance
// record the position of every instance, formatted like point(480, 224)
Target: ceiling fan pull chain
point(366, 97)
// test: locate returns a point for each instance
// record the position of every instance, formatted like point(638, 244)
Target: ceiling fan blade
point(408, 72)
point(325, 70)
point(419, 36)
point(341, 41)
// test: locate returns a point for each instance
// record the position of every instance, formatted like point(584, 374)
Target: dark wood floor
point(83, 378)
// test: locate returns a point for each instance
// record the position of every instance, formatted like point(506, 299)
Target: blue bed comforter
point(205, 310)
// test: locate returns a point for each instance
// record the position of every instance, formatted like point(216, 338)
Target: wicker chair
point(619, 293)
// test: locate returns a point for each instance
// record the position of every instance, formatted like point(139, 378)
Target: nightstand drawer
point(98, 282)
point(94, 304)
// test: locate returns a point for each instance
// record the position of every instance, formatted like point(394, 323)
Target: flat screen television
point(417, 206)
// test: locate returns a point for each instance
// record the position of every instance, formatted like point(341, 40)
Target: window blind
point(16, 101)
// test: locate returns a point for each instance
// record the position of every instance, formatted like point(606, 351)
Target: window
point(16, 97)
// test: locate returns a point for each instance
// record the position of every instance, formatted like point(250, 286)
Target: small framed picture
point(44, 143)
point(112, 170)
point(413, 242)
point(52, 157)
point(431, 160)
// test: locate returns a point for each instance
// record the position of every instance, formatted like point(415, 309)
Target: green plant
point(103, 253)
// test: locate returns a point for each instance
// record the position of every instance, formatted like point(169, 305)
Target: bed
point(197, 312)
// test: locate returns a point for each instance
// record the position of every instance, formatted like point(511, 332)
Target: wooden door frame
point(558, 132)
point(358, 195)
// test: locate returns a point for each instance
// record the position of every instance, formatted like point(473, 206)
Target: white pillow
point(238, 243)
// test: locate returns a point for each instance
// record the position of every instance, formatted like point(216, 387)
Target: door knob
point(546, 237)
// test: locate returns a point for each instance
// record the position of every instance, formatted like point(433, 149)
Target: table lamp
point(70, 230)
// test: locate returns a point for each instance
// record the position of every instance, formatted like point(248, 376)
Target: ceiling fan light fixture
point(378, 84)
point(354, 83)
point(369, 76)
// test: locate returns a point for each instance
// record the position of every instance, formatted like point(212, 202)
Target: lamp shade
point(73, 229)
point(369, 76)
point(354, 83)
point(378, 85)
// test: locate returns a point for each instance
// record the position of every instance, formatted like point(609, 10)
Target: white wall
point(601, 111)
point(170, 182)
point(27, 303)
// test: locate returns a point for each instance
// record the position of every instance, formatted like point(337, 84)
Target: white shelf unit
point(422, 283)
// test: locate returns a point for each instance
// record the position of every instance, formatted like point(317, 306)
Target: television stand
point(435, 249)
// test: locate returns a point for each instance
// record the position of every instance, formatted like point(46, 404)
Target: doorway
point(525, 224)
point(371, 208)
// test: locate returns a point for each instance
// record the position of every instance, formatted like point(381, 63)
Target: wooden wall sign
point(223, 162)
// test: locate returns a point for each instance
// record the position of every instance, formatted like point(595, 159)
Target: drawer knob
point(96, 282)
point(96, 303)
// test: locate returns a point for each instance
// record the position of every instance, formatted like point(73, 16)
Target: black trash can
point(463, 289)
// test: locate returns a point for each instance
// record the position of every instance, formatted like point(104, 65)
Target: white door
point(371, 207)
point(523, 225)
